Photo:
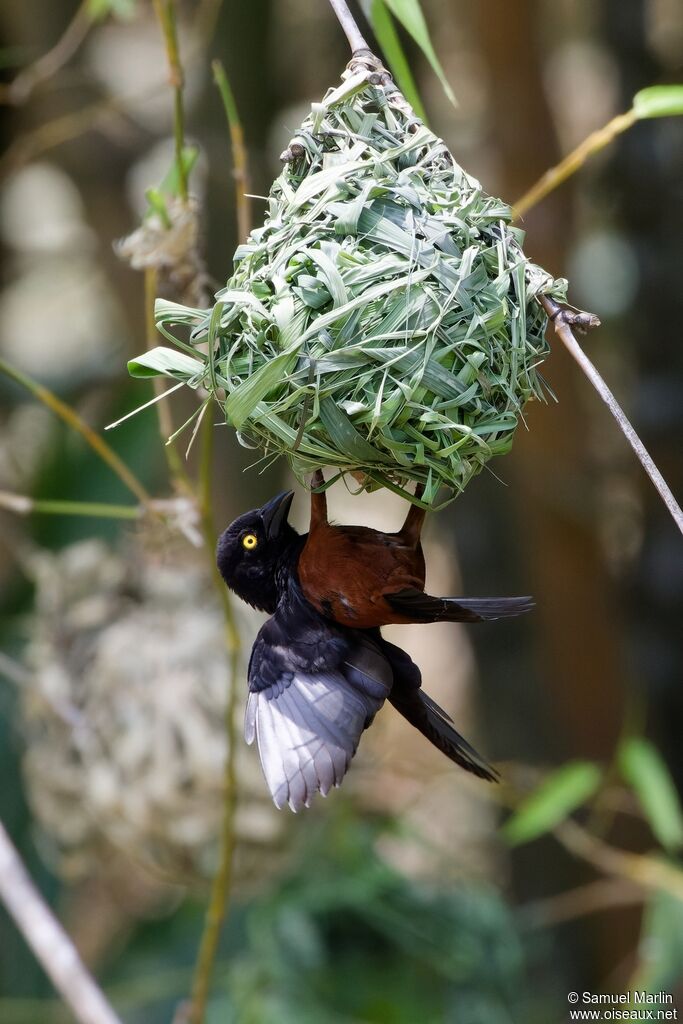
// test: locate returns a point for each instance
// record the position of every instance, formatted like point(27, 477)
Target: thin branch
point(48, 940)
point(59, 130)
point(239, 152)
point(222, 884)
point(23, 505)
point(563, 321)
point(349, 25)
point(165, 12)
point(166, 429)
point(73, 420)
point(642, 869)
point(572, 162)
point(602, 894)
point(19, 90)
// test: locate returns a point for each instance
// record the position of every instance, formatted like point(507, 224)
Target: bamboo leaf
point(409, 13)
point(165, 362)
point(390, 43)
point(644, 769)
point(558, 795)
point(659, 101)
point(345, 435)
point(242, 401)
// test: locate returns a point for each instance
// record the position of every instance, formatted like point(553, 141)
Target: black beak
point(274, 513)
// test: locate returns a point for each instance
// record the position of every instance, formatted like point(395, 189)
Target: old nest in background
point(383, 320)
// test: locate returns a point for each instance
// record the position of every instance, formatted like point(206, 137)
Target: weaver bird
point(315, 685)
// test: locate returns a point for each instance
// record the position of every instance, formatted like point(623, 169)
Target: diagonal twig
point(48, 940)
point(563, 320)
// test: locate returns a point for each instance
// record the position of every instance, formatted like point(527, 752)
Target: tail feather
point(433, 722)
point(420, 607)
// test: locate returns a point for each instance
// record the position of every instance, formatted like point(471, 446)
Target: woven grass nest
point(383, 320)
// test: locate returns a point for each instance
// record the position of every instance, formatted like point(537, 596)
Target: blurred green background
point(399, 899)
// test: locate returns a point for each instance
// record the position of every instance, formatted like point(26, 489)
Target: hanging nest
point(384, 319)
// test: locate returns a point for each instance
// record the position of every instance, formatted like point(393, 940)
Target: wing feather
point(307, 733)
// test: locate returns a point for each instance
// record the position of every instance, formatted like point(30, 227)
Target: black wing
point(312, 692)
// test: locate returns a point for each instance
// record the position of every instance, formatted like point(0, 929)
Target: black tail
point(420, 607)
point(433, 722)
point(426, 716)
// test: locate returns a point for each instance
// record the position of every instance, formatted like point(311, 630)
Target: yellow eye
point(249, 541)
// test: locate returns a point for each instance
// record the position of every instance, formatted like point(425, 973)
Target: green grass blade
point(409, 13)
point(558, 795)
point(659, 101)
point(390, 43)
point(643, 767)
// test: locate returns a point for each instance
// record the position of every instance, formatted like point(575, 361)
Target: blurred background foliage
point(400, 899)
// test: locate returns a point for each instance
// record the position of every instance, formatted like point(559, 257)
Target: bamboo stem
point(349, 25)
point(48, 940)
point(69, 416)
point(222, 884)
point(239, 152)
point(166, 429)
point(24, 505)
point(166, 16)
point(572, 162)
point(562, 320)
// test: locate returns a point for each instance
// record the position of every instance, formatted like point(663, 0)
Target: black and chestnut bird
point(316, 685)
point(364, 578)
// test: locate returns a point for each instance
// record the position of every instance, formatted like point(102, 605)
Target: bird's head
point(253, 548)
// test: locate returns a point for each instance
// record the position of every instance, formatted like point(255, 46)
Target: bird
point(390, 587)
point(314, 685)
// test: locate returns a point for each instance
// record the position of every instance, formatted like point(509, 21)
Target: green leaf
point(554, 800)
point(642, 767)
point(346, 437)
point(157, 204)
point(240, 403)
point(170, 184)
point(659, 101)
point(388, 39)
point(165, 362)
point(100, 9)
point(409, 13)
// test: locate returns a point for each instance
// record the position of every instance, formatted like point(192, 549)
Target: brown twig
point(19, 90)
point(48, 940)
point(73, 420)
point(563, 320)
point(349, 25)
point(69, 126)
point(641, 869)
point(602, 894)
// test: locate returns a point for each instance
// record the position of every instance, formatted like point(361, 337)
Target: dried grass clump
point(124, 717)
point(383, 320)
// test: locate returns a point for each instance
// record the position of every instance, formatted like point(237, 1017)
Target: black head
point(251, 549)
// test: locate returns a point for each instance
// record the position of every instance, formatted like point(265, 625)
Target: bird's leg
point(412, 527)
point(318, 501)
